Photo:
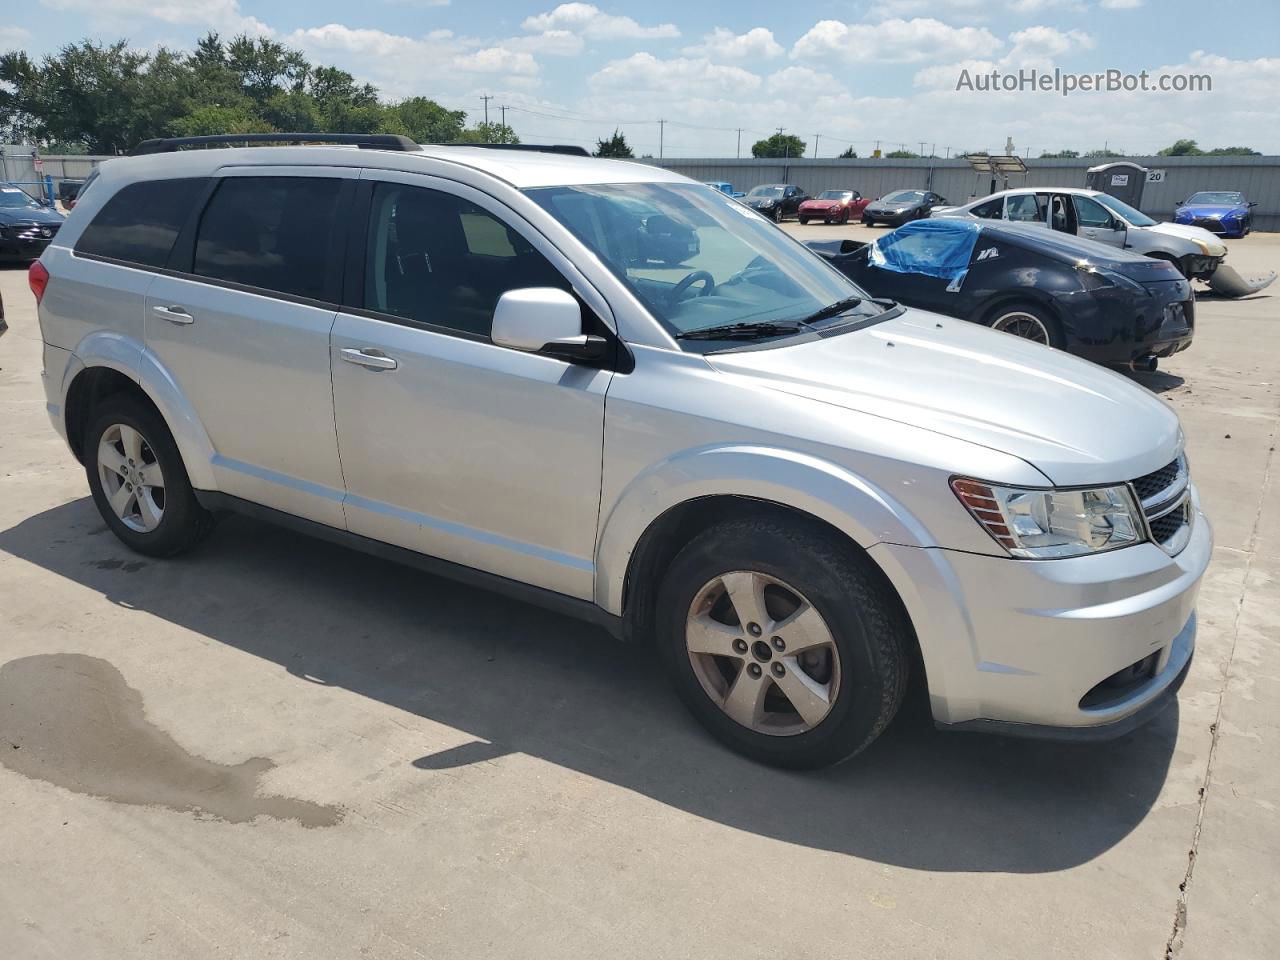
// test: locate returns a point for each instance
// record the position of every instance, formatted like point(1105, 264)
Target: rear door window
point(275, 233)
point(1025, 208)
point(990, 210)
point(140, 223)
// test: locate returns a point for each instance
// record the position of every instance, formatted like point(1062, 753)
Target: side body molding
point(131, 358)
point(850, 503)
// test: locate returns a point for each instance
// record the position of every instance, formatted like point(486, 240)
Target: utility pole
point(815, 145)
point(503, 108)
point(948, 153)
point(738, 150)
point(786, 147)
point(662, 129)
point(922, 148)
point(486, 98)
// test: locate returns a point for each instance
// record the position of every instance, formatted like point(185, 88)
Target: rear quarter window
point(141, 222)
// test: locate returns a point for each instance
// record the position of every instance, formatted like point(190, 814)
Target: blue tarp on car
point(934, 248)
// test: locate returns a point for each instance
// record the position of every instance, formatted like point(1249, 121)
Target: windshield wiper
point(745, 331)
point(833, 309)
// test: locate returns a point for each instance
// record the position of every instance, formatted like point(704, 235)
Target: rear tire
point(1028, 321)
point(139, 482)
point(824, 672)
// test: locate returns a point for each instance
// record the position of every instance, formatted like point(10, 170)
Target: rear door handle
point(173, 313)
point(368, 357)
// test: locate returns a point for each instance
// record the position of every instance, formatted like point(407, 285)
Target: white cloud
point(590, 21)
point(802, 80)
point(1046, 43)
point(498, 60)
point(11, 37)
point(895, 40)
point(644, 71)
point(555, 43)
point(1121, 4)
point(221, 15)
point(724, 44)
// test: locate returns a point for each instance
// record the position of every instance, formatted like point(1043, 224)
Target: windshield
point(905, 196)
point(836, 195)
point(13, 197)
point(1212, 196)
point(1135, 217)
point(701, 259)
point(769, 191)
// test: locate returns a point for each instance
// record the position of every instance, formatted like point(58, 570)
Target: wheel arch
point(105, 364)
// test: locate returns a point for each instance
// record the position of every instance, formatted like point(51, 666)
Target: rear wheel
point(138, 480)
point(1029, 322)
point(786, 644)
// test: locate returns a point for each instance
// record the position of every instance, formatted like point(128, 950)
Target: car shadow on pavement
point(1157, 381)
point(520, 679)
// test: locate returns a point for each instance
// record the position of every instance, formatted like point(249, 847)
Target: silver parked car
point(1197, 253)
point(803, 498)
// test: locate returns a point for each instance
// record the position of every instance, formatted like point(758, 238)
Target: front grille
point(1166, 504)
point(1158, 480)
point(1208, 224)
point(1165, 529)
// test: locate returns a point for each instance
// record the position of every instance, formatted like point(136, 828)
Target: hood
point(1078, 423)
point(1188, 232)
point(1210, 209)
point(821, 202)
point(757, 201)
point(12, 216)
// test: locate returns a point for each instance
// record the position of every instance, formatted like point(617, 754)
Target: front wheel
point(784, 642)
point(138, 480)
point(804, 221)
point(1028, 321)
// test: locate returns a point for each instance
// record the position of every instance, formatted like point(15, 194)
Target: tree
point(1059, 155)
point(1232, 152)
point(1181, 148)
point(849, 154)
point(488, 133)
point(778, 145)
point(615, 146)
point(210, 120)
point(423, 121)
point(1106, 153)
point(901, 155)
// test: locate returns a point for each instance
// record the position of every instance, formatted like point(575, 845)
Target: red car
point(834, 206)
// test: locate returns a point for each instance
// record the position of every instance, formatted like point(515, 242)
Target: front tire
point(139, 482)
point(804, 221)
point(783, 641)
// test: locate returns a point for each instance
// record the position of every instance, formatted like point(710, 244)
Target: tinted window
point(140, 223)
point(439, 259)
point(270, 232)
point(988, 211)
point(1026, 207)
point(1090, 213)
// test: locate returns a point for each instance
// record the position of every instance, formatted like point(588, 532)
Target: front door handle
point(173, 313)
point(368, 357)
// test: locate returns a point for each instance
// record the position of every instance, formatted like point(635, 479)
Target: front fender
point(127, 356)
point(863, 511)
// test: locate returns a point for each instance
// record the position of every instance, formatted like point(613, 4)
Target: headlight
point(767, 203)
point(1045, 524)
point(1095, 278)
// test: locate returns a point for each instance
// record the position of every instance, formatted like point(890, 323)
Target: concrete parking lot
point(386, 765)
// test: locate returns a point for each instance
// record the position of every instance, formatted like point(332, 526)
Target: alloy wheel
point(762, 653)
point(131, 478)
point(1021, 324)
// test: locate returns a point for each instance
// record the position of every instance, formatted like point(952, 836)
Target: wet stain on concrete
point(71, 720)
point(128, 566)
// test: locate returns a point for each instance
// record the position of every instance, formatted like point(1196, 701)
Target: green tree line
point(104, 98)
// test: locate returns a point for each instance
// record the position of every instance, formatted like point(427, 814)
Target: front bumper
point(21, 248)
point(1044, 645)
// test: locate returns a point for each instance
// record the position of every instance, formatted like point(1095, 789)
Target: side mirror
point(1181, 203)
point(1253, 203)
point(544, 320)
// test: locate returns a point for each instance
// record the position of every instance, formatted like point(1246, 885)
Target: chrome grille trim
point(1160, 506)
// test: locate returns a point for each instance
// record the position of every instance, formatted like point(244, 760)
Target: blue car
point(724, 187)
point(1224, 212)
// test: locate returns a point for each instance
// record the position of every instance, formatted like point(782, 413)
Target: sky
point(846, 72)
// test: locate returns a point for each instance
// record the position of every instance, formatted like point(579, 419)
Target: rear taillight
point(38, 279)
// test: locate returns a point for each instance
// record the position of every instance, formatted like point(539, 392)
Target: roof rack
point(365, 141)
point(565, 148)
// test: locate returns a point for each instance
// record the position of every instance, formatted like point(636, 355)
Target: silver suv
point(465, 359)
